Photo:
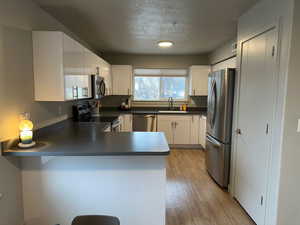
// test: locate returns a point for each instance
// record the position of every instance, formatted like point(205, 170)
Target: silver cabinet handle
point(194, 91)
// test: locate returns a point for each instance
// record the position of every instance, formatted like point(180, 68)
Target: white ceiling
point(135, 26)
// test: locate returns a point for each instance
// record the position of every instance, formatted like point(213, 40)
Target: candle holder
point(26, 131)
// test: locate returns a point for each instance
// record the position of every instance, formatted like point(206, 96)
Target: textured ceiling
point(135, 26)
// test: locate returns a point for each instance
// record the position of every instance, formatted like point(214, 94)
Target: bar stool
point(95, 220)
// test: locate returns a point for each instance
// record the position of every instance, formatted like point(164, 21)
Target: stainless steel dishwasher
point(145, 122)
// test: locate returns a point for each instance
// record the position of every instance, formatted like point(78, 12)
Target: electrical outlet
point(1, 196)
point(298, 129)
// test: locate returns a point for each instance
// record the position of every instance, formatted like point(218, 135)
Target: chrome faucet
point(171, 103)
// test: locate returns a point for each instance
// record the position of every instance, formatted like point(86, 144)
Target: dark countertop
point(150, 110)
point(68, 138)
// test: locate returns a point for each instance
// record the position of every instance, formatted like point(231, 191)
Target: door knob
point(239, 131)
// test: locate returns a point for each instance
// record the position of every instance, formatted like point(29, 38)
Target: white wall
point(57, 189)
point(262, 16)
point(289, 198)
point(17, 19)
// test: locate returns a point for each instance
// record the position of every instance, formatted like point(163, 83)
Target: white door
point(255, 119)
point(166, 125)
point(122, 79)
point(202, 131)
point(182, 131)
point(127, 123)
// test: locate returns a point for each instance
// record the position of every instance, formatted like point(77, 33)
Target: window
point(159, 84)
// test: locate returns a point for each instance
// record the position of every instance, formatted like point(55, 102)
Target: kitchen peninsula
point(83, 170)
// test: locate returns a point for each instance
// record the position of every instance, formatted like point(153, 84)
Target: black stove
point(82, 112)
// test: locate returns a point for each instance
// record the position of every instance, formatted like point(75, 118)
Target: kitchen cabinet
point(182, 130)
point(198, 76)
point(202, 131)
point(195, 129)
point(178, 129)
point(62, 67)
point(122, 79)
point(165, 124)
point(126, 123)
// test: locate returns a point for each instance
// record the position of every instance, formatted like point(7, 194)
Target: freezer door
point(217, 157)
point(220, 104)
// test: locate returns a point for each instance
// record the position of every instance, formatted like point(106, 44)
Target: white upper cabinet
point(122, 79)
point(73, 57)
point(105, 72)
point(198, 80)
point(62, 67)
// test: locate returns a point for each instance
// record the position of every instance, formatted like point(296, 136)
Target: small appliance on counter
point(126, 105)
point(83, 113)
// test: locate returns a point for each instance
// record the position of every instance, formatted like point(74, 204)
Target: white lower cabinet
point(182, 130)
point(202, 131)
point(165, 124)
point(126, 123)
point(195, 129)
point(179, 130)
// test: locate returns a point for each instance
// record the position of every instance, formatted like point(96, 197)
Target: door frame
point(271, 200)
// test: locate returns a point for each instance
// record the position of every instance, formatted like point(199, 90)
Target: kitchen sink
point(172, 111)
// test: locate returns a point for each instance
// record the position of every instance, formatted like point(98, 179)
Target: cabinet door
point(195, 129)
point(122, 79)
point(199, 80)
point(105, 72)
point(166, 125)
point(126, 123)
point(202, 131)
point(182, 131)
point(91, 61)
point(73, 57)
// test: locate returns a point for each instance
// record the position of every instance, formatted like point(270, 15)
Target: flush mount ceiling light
point(165, 44)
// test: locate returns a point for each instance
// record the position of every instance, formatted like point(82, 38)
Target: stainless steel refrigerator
point(219, 124)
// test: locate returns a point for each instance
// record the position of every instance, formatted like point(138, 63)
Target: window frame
point(185, 99)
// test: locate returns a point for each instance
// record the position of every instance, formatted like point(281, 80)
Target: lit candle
point(26, 127)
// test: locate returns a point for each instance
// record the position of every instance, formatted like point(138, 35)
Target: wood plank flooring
point(193, 198)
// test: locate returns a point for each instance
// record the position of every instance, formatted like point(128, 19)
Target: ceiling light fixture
point(165, 44)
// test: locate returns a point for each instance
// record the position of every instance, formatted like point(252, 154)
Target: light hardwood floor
point(193, 198)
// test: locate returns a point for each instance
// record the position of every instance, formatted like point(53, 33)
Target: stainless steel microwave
point(98, 87)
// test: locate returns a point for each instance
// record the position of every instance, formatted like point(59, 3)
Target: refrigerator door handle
point(212, 141)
